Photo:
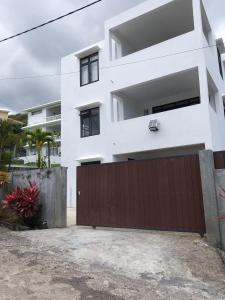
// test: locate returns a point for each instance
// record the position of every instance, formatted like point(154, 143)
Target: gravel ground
point(81, 263)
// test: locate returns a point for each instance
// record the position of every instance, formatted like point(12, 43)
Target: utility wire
point(106, 67)
point(50, 21)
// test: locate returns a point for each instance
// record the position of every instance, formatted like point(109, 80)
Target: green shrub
point(8, 216)
point(55, 165)
point(18, 162)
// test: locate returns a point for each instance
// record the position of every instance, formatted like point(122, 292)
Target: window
point(32, 151)
point(89, 163)
point(90, 122)
point(54, 151)
point(36, 112)
point(175, 105)
point(89, 69)
point(220, 62)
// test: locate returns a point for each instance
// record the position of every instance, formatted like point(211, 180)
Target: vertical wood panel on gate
point(163, 194)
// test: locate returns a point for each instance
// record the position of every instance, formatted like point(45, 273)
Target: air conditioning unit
point(153, 125)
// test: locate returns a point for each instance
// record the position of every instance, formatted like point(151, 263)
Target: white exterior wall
point(40, 121)
point(192, 125)
point(37, 118)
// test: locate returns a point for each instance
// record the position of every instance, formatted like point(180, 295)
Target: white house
point(4, 113)
point(159, 62)
point(47, 117)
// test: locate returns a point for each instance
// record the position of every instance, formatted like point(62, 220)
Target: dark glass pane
point(95, 111)
point(94, 57)
point(175, 105)
point(94, 71)
point(95, 125)
point(84, 75)
point(84, 61)
point(85, 127)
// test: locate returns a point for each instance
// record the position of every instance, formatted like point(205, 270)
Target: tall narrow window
point(89, 69)
point(90, 122)
point(220, 62)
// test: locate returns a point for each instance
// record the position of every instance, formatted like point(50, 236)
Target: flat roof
point(53, 103)
point(4, 109)
point(88, 50)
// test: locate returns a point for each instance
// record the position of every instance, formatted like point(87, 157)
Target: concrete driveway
point(81, 263)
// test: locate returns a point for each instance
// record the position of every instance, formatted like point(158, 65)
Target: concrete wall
point(220, 189)
point(206, 160)
point(53, 186)
point(37, 118)
point(213, 189)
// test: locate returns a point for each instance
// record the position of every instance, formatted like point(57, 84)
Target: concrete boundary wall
point(53, 188)
point(220, 190)
point(210, 203)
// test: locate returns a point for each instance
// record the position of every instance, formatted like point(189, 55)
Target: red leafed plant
point(24, 202)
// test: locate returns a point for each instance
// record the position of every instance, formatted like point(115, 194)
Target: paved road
point(78, 263)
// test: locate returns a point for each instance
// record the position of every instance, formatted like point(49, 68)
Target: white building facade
point(159, 61)
point(48, 118)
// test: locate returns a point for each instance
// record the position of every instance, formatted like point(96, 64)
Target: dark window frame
point(176, 105)
point(88, 113)
point(89, 64)
point(91, 163)
point(36, 112)
point(220, 62)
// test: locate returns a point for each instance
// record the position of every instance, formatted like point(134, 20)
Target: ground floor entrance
point(161, 194)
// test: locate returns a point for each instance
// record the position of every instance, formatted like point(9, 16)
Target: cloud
point(40, 52)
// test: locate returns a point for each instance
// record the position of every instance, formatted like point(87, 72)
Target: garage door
point(161, 194)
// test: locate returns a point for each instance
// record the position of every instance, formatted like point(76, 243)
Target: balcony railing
point(57, 137)
point(53, 118)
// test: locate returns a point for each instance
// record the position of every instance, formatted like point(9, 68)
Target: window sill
point(84, 137)
point(82, 85)
point(88, 105)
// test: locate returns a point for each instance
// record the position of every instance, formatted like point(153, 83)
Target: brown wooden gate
point(162, 194)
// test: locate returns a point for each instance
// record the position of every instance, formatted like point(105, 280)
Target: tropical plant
point(23, 202)
point(38, 138)
point(11, 137)
point(4, 178)
point(9, 216)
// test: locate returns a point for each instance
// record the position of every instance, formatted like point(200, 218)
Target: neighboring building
point(159, 61)
point(4, 113)
point(48, 118)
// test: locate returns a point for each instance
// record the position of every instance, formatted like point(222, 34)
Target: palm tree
point(11, 137)
point(38, 138)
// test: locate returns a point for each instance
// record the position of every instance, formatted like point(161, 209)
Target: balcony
point(53, 118)
point(163, 94)
point(159, 25)
point(173, 100)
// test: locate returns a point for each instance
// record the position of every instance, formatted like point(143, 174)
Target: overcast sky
point(39, 52)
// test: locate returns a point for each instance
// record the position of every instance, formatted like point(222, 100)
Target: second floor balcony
point(53, 113)
point(53, 118)
point(163, 94)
